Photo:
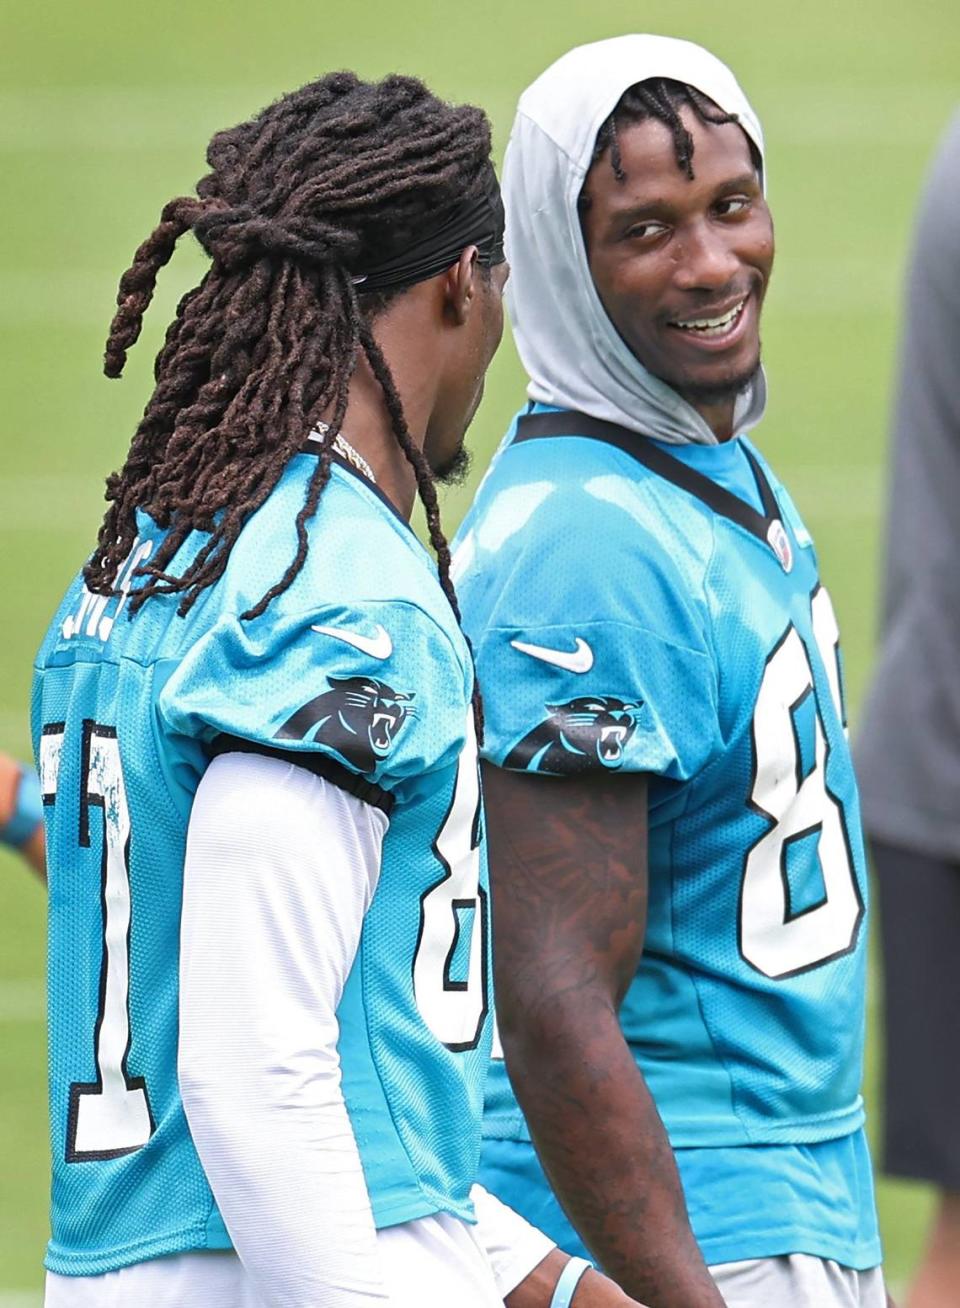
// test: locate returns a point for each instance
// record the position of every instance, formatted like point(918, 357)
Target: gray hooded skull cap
point(572, 353)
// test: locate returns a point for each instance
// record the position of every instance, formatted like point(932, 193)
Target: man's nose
point(706, 259)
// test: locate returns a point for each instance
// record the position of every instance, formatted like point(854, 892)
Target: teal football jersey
point(641, 607)
point(357, 672)
point(638, 607)
point(763, 1202)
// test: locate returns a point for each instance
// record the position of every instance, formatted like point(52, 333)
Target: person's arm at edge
point(568, 869)
point(21, 814)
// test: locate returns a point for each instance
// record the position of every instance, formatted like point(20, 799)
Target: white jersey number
point(774, 939)
point(110, 1116)
point(455, 1009)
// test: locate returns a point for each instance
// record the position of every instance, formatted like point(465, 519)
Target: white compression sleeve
point(280, 868)
point(513, 1247)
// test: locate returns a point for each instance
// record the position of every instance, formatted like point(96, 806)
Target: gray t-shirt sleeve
point(908, 748)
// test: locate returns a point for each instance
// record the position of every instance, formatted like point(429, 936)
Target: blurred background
point(105, 111)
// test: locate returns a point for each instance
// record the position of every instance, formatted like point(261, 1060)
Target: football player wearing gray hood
point(673, 820)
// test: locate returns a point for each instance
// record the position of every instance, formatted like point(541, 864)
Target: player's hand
point(593, 1290)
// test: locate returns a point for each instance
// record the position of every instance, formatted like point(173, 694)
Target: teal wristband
point(28, 812)
point(569, 1280)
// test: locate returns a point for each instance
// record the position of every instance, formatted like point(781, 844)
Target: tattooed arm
point(569, 876)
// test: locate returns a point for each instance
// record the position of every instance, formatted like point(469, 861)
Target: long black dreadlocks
point(660, 98)
point(336, 173)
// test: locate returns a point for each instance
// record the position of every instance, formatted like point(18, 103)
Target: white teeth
point(713, 325)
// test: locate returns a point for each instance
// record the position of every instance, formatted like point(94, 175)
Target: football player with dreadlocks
point(674, 828)
point(255, 726)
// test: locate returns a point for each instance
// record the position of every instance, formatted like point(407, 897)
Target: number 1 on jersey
point(110, 1116)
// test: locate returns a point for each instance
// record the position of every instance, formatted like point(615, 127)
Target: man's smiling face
point(681, 265)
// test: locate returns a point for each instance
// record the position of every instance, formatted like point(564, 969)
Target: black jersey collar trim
point(314, 447)
point(533, 426)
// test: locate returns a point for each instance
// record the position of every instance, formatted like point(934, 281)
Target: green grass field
point(105, 109)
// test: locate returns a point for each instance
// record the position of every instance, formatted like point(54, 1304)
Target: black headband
point(477, 221)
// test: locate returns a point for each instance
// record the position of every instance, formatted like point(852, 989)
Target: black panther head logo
point(359, 718)
point(582, 735)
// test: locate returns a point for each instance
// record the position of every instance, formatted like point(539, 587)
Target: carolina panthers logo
point(579, 736)
point(359, 718)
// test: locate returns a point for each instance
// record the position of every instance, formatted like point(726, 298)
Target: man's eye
point(732, 204)
point(644, 231)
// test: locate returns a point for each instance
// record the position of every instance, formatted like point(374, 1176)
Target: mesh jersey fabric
point(359, 669)
point(622, 623)
point(755, 1201)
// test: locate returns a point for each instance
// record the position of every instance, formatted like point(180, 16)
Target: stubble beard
point(715, 393)
point(455, 470)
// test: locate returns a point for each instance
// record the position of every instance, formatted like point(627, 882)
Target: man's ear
point(460, 285)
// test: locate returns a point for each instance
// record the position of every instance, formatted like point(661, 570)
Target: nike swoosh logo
point(379, 646)
point(577, 660)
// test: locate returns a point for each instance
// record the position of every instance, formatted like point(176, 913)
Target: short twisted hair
point(338, 172)
point(661, 98)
